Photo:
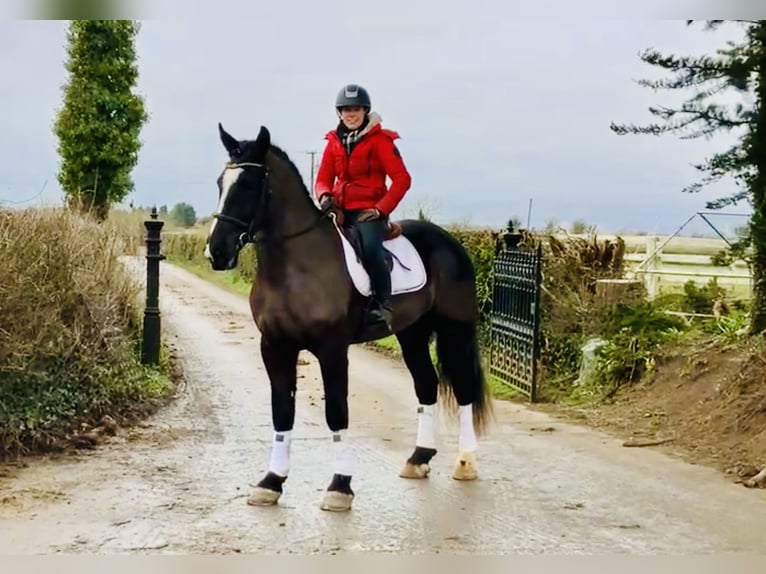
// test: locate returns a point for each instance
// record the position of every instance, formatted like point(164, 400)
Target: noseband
point(259, 212)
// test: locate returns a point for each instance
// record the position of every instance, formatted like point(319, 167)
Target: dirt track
point(178, 484)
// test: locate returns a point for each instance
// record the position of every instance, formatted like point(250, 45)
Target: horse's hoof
point(263, 497)
point(415, 470)
point(335, 501)
point(465, 467)
point(417, 465)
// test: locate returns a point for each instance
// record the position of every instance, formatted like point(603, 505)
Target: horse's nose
point(208, 254)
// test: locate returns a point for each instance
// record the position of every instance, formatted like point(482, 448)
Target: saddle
point(404, 264)
point(393, 231)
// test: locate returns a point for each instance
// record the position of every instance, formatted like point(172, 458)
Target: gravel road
point(178, 483)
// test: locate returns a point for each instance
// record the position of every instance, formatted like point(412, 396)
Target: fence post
point(150, 352)
point(652, 280)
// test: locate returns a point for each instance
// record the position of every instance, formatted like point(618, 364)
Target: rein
point(260, 209)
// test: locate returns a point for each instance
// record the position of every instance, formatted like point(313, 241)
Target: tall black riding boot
point(382, 309)
point(372, 234)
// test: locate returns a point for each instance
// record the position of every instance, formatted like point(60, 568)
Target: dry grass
point(61, 287)
point(129, 226)
point(68, 325)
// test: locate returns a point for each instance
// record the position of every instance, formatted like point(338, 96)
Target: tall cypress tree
point(739, 67)
point(99, 124)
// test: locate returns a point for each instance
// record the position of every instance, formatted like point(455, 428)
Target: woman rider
point(351, 181)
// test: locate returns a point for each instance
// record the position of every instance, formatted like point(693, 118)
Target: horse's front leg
point(280, 359)
point(333, 361)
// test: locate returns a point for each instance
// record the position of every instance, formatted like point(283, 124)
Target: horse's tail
point(461, 376)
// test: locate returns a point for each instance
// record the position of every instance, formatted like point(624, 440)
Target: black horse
point(309, 292)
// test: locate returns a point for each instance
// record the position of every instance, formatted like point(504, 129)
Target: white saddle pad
point(408, 273)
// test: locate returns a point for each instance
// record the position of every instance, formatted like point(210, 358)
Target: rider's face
point(352, 117)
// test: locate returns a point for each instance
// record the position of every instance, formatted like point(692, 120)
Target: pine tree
point(99, 125)
point(740, 67)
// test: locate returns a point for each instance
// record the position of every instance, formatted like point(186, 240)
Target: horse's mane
point(282, 154)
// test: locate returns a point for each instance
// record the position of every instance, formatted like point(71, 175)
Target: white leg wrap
point(343, 457)
point(467, 438)
point(426, 427)
point(280, 453)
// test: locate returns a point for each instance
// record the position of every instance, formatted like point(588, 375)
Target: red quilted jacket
point(358, 180)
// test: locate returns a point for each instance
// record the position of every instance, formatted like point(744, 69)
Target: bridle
point(259, 213)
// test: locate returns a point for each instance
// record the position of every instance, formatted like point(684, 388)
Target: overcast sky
point(492, 111)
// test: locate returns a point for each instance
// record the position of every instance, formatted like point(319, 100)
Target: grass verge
point(230, 280)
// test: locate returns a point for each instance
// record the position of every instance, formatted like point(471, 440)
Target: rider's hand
point(328, 202)
point(329, 205)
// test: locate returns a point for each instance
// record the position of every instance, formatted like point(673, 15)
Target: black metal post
point(150, 352)
point(537, 312)
point(511, 239)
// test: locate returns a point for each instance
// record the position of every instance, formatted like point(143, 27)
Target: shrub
point(702, 299)
point(633, 333)
point(68, 327)
point(572, 309)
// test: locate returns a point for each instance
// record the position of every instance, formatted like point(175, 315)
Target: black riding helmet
point(353, 95)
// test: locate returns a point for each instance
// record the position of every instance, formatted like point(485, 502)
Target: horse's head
point(243, 194)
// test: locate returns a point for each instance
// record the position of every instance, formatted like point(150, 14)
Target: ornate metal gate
point(515, 328)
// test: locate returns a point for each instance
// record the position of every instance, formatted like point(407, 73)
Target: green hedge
point(189, 248)
point(480, 245)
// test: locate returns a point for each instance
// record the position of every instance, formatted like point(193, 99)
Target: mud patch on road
point(26, 498)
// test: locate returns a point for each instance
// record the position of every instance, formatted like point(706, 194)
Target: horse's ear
point(229, 142)
point(262, 143)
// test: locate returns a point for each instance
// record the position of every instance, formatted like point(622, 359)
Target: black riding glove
point(328, 203)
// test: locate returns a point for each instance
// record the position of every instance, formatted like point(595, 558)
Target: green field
point(681, 259)
point(687, 258)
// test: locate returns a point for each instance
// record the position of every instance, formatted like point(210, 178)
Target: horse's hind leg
point(460, 367)
point(280, 360)
point(414, 343)
point(333, 361)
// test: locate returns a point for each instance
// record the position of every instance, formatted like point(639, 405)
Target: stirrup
point(376, 313)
